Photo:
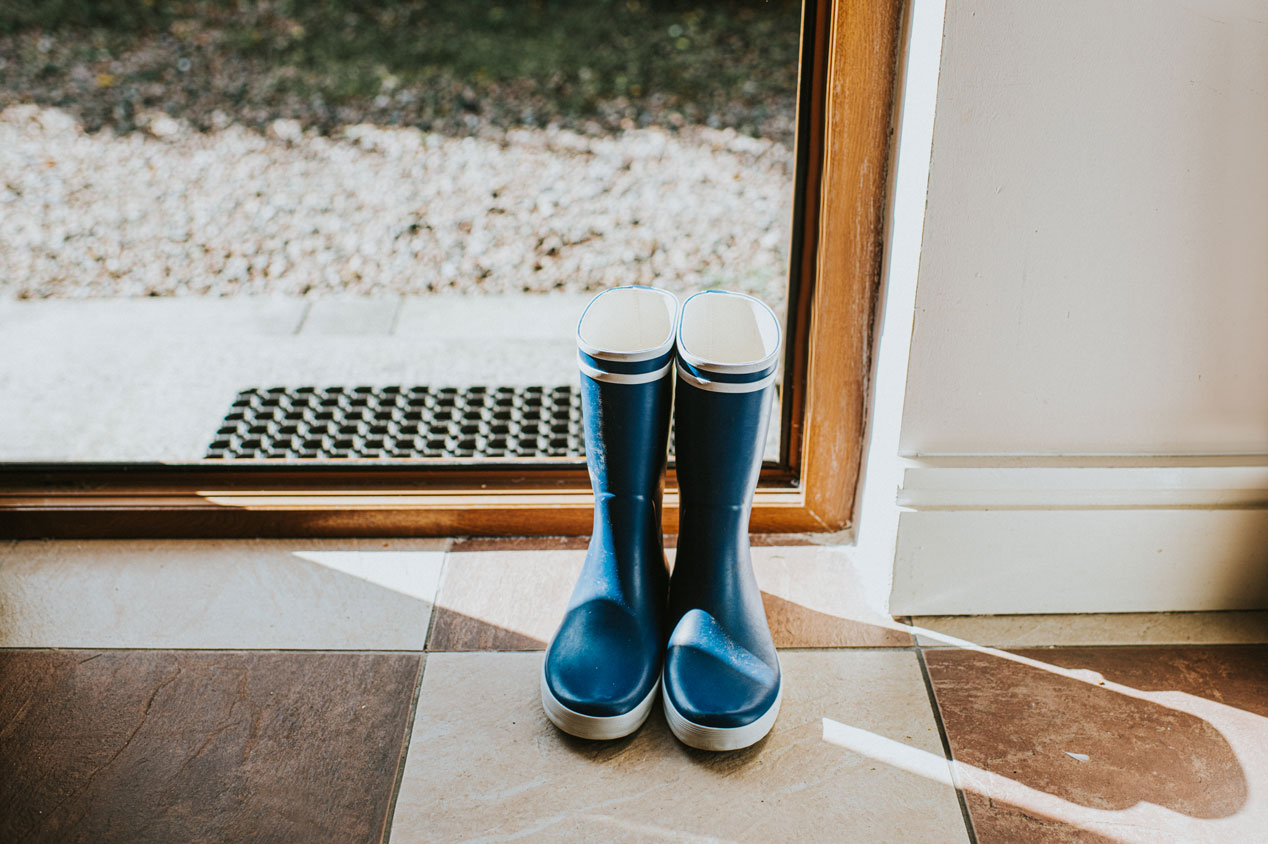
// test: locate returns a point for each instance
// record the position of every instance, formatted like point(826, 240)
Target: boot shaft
point(625, 351)
point(627, 435)
point(720, 439)
point(728, 354)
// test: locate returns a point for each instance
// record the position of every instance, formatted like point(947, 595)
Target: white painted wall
point(871, 552)
point(1093, 280)
point(1094, 274)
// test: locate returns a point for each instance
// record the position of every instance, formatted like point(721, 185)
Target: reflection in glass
point(202, 199)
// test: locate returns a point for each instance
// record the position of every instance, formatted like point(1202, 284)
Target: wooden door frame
point(846, 100)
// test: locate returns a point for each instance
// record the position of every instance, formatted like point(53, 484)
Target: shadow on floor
point(792, 625)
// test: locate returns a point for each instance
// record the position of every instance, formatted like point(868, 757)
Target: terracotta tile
point(1020, 631)
point(1109, 743)
point(486, 765)
point(162, 746)
point(323, 595)
point(513, 600)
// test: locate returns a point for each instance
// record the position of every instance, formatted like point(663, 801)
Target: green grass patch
point(533, 61)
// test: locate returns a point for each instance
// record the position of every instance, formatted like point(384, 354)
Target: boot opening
point(627, 320)
point(728, 329)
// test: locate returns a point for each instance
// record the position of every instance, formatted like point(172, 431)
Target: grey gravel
point(377, 211)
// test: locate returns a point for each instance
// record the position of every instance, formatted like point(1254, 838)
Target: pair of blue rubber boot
point(702, 637)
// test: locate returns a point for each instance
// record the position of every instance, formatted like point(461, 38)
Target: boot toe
point(712, 680)
point(601, 662)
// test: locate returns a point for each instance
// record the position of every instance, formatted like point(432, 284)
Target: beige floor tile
point(346, 594)
point(813, 601)
point(484, 765)
point(513, 600)
point(503, 600)
point(1009, 631)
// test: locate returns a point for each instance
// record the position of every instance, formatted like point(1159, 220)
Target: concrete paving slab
point(548, 317)
point(54, 319)
point(127, 381)
point(151, 379)
point(352, 315)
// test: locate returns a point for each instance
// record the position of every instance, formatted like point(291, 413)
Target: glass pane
point(342, 229)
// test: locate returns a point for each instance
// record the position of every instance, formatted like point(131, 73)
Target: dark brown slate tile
point(1236, 676)
point(179, 746)
point(1054, 750)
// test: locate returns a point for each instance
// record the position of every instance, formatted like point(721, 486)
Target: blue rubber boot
point(602, 667)
point(722, 679)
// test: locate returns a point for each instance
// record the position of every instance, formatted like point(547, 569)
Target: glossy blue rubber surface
point(721, 668)
point(606, 657)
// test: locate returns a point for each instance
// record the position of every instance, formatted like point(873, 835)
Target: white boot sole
point(719, 738)
point(595, 727)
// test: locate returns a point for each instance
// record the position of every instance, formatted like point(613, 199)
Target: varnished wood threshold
point(336, 513)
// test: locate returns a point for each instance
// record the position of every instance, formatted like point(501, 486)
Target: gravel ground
point(171, 210)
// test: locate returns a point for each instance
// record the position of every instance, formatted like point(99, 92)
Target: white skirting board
point(1004, 535)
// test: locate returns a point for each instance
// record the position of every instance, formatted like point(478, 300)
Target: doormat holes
point(390, 423)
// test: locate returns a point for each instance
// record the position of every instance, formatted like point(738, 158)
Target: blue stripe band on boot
point(737, 382)
point(625, 367)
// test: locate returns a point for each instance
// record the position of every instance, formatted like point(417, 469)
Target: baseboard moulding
point(1001, 534)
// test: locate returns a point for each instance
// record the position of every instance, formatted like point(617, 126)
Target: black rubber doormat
point(401, 422)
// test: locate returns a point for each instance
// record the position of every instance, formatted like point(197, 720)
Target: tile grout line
point(440, 584)
point(303, 318)
point(946, 746)
point(406, 740)
point(395, 321)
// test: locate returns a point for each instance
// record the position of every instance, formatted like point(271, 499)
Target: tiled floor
point(361, 690)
